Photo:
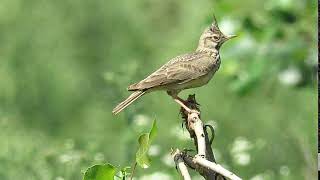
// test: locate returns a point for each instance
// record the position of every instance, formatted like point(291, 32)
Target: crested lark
point(183, 72)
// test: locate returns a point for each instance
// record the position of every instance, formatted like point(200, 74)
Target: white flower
point(258, 177)
point(242, 158)
point(168, 160)
point(141, 120)
point(284, 170)
point(241, 144)
point(64, 158)
point(68, 157)
point(154, 150)
point(246, 42)
point(239, 151)
point(285, 3)
point(156, 176)
point(291, 76)
point(228, 26)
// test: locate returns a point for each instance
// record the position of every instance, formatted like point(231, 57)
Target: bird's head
point(212, 37)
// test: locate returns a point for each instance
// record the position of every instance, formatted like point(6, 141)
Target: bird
point(185, 71)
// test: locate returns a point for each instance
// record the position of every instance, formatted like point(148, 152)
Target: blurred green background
point(65, 64)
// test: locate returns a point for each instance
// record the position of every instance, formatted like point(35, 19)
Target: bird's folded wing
point(178, 72)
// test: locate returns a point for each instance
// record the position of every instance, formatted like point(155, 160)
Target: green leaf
point(153, 131)
point(100, 172)
point(145, 141)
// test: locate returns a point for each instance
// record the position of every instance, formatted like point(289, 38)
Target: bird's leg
point(178, 100)
point(182, 102)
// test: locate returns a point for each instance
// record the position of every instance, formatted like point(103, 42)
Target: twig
point(177, 156)
point(215, 167)
point(204, 161)
point(133, 170)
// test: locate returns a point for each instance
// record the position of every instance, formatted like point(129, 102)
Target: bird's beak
point(230, 36)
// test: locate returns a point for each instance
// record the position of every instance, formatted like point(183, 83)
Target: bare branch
point(177, 156)
point(215, 167)
point(203, 162)
point(196, 125)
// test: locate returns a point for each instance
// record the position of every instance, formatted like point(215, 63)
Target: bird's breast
point(202, 80)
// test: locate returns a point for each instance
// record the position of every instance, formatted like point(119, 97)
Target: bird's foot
point(191, 111)
point(186, 108)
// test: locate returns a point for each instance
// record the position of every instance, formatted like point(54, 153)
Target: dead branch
point(203, 162)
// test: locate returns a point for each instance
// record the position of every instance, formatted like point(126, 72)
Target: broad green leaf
point(145, 140)
point(141, 155)
point(100, 172)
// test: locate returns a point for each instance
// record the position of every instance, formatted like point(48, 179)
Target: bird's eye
point(215, 37)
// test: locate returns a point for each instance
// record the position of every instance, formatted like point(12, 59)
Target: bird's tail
point(134, 96)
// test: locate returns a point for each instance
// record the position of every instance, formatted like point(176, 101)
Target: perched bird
point(183, 72)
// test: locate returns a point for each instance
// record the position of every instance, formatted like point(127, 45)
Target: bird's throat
point(210, 51)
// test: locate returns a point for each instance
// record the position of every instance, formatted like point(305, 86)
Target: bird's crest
point(214, 25)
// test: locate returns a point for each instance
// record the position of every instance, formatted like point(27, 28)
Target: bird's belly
point(194, 83)
point(200, 81)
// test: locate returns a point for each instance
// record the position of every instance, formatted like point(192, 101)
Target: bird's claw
point(191, 111)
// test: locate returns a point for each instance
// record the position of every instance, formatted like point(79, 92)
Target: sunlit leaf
point(100, 172)
point(145, 140)
point(153, 131)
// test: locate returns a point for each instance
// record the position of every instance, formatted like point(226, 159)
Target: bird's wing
point(178, 70)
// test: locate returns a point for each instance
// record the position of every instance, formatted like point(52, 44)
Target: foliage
point(145, 141)
point(100, 172)
point(108, 171)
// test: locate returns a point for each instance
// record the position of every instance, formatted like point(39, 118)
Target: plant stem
point(133, 169)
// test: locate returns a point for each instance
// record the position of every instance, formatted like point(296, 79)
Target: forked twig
point(204, 161)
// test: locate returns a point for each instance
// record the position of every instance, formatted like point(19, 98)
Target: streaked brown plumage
point(183, 72)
